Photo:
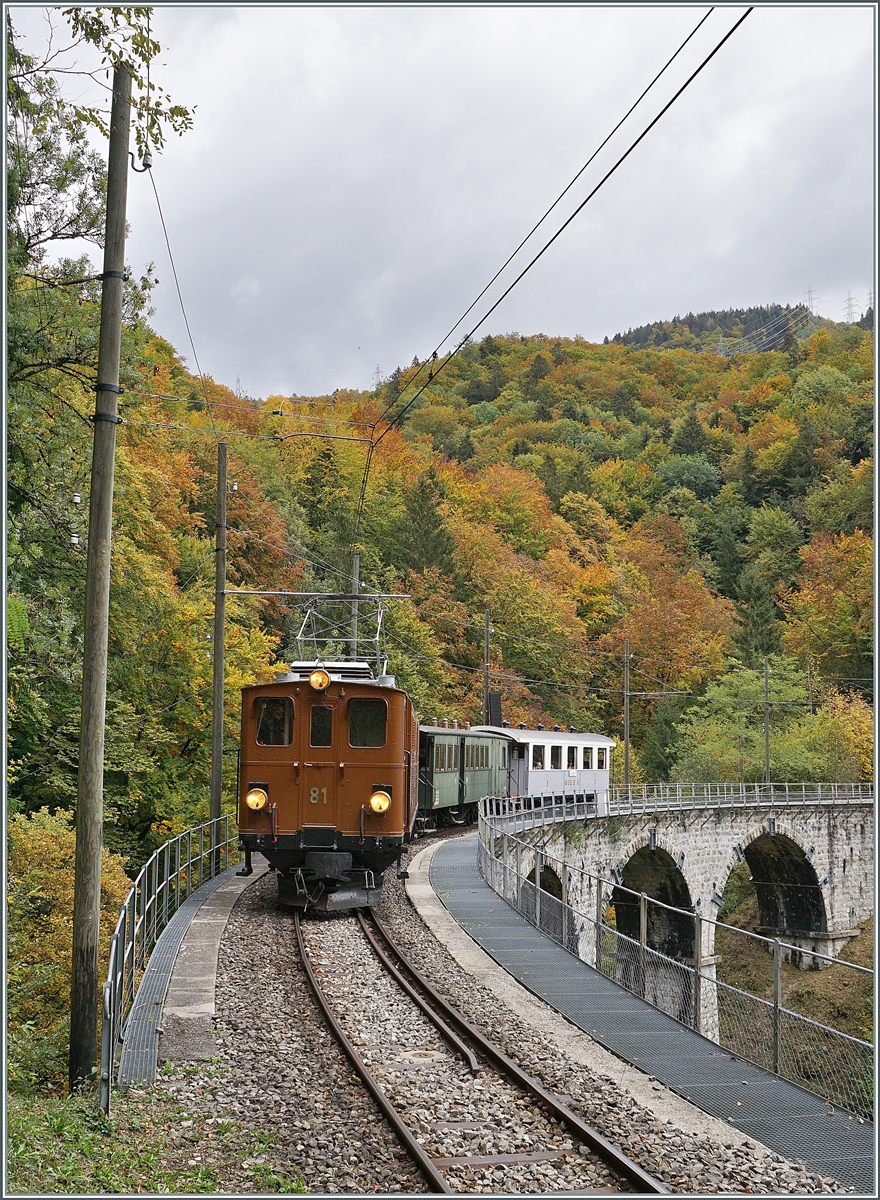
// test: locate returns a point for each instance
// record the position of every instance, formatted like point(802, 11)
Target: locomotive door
point(319, 780)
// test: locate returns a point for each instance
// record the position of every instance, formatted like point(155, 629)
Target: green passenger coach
point(457, 767)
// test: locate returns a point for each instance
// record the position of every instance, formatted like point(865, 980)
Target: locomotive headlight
point(380, 802)
point(257, 798)
point(319, 680)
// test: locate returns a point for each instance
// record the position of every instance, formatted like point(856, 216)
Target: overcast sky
point(355, 175)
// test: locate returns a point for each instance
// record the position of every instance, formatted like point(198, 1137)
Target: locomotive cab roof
point(339, 672)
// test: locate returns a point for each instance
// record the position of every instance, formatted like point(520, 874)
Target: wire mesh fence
point(661, 953)
point(169, 877)
point(831, 1064)
point(747, 1024)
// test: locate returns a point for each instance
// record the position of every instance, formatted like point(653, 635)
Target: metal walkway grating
point(140, 1048)
point(786, 1118)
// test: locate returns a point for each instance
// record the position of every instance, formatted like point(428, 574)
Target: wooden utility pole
point(487, 716)
point(219, 636)
point(626, 713)
point(766, 719)
point(90, 788)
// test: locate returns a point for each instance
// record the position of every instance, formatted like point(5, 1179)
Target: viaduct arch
point(812, 867)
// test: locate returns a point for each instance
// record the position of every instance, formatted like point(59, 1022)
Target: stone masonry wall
point(836, 840)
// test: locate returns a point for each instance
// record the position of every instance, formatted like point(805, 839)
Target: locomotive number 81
point(328, 781)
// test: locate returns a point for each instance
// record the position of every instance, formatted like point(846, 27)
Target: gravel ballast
point(280, 1072)
point(683, 1160)
point(455, 1114)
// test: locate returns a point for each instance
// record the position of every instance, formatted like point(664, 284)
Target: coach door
point(319, 779)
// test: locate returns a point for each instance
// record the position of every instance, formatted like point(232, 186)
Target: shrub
point(40, 878)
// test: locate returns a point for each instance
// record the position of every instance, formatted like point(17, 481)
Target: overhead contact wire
point(180, 298)
point(565, 225)
point(561, 195)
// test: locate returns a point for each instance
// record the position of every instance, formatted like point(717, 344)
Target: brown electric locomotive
point(328, 781)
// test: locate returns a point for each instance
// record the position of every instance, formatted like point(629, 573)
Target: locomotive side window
point(366, 722)
point(275, 721)
point(588, 758)
point(555, 758)
point(600, 759)
point(322, 726)
point(571, 760)
point(538, 757)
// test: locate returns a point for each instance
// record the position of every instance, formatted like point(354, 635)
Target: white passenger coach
point(552, 763)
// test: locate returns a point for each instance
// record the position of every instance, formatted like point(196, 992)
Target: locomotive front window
point(275, 721)
point(538, 757)
point(571, 761)
point(322, 726)
point(588, 758)
point(366, 722)
point(600, 759)
point(555, 758)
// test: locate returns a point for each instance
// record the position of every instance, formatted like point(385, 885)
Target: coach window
point(600, 759)
point(322, 726)
point(571, 758)
point(538, 758)
point(366, 722)
point(275, 721)
point(555, 758)
point(588, 758)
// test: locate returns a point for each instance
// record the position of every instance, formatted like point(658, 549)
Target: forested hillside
point(711, 510)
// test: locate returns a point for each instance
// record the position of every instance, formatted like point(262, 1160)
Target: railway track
point(470, 1118)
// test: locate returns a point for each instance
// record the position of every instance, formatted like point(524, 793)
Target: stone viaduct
point(810, 858)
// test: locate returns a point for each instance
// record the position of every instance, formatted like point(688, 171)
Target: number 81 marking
point(317, 793)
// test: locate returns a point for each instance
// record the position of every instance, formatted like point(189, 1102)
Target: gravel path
point(279, 1072)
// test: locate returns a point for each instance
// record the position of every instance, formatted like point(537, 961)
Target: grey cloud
point(356, 175)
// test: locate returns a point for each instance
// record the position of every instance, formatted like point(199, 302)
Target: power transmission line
point(433, 357)
point(180, 296)
point(564, 226)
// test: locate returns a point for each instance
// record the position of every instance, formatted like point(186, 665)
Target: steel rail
point(609, 1151)
point(450, 1036)
point(423, 1161)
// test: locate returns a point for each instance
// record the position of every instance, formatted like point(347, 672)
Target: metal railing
point(664, 797)
point(674, 797)
point(666, 955)
point(172, 873)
